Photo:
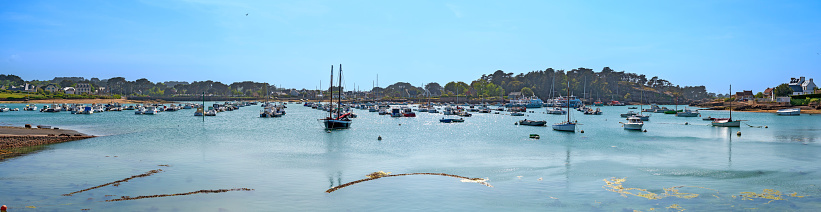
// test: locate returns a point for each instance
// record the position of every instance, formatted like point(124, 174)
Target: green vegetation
point(782, 90)
point(805, 101)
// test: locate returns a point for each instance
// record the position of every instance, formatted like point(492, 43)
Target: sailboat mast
point(731, 103)
point(641, 103)
point(568, 100)
point(330, 103)
point(339, 102)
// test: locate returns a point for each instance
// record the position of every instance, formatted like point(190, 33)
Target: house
point(514, 95)
point(769, 93)
point(69, 90)
point(744, 95)
point(83, 88)
point(100, 90)
point(51, 88)
point(801, 86)
point(24, 88)
point(294, 92)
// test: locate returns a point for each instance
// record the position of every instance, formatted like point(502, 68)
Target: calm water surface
point(291, 161)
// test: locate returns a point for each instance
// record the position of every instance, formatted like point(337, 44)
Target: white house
point(801, 86)
point(69, 90)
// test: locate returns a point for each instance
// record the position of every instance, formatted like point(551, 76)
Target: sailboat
point(566, 126)
point(727, 122)
point(641, 115)
point(340, 121)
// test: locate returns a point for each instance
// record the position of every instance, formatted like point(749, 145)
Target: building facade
point(83, 88)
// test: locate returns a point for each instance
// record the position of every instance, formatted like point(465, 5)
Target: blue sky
point(751, 44)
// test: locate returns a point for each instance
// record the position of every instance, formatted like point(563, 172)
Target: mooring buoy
point(379, 138)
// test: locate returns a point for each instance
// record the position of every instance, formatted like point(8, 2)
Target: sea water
point(678, 164)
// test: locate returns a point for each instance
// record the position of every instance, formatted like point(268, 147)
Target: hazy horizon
point(750, 44)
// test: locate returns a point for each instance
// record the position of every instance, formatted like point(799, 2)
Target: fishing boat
point(211, 111)
point(85, 110)
point(590, 111)
point(532, 123)
point(789, 112)
point(151, 110)
point(337, 121)
point(31, 107)
point(199, 112)
point(407, 112)
point(727, 122)
point(555, 111)
point(568, 125)
point(633, 123)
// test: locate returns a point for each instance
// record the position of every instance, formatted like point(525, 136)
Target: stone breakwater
point(17, 141)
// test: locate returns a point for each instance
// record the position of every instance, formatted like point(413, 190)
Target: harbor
point(295, 159)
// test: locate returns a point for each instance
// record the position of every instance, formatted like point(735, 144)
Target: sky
point(749, 44)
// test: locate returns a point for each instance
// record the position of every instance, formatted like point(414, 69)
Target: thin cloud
point(456, 11)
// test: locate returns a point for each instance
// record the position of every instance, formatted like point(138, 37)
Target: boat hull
point(533, 123)
point(632, 126)
point(567, 127)
point(684, 114)
point(727, 124)
point(336, 124)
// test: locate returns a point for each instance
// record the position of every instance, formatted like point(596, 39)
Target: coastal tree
point(434, 88)
point(527, 92)
point(782, 90)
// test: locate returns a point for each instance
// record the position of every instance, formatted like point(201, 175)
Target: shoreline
point(80, 101)
point(14, 141)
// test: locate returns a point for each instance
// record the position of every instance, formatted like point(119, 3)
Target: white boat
point(789, 112)
point(633, 123)
point(151, 110)
point(211, 111)
point(85, 110)
point(727, 122)
point(628, 114)
point(555, 111)
point(687, 113)
point(449, 111)
point(139, 111)
point(568, 125)
point(30, 108)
